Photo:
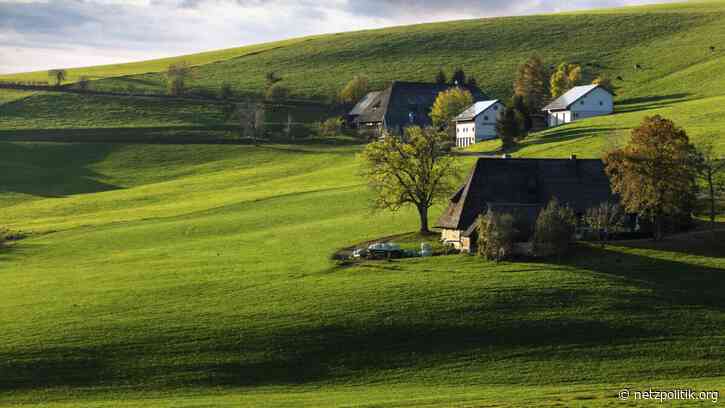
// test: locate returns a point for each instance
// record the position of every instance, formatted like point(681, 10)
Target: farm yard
point(160, 270)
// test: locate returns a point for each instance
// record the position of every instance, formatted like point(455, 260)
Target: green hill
point(192, 275)
point(670, 42)
point(201, 275)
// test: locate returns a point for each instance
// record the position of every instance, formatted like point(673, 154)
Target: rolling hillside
point(191, 275)
point(679, 75)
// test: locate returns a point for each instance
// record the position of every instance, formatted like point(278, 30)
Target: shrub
point(226, 92)
point(496, 236)
point(354, 90)
point(605, 219)
point(277, 92)
point(331, 127)
point(554, 229)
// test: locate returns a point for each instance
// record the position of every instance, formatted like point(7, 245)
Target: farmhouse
point(478, 122)
point(521, 187)
point(579, 103)
point(399, 105)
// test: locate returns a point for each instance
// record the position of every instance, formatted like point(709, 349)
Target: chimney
point(573, 157)
point(506, 156)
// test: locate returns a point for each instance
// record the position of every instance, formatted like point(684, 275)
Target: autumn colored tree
point(448, 105)
point(605, 82)
point(354, 90)
point(564, 78)
point(532, 84)
point(414, 169)
point(655, 173)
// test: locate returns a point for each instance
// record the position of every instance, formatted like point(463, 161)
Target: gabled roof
point(475, 110)
point(579, 183)
point(574, 94)
point(405, 103)
point(364, 103)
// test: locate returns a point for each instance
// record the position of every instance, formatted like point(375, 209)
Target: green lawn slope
point(201, 275)
point(188, 275)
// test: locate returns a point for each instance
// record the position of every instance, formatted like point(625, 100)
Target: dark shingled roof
point(526, 183)
point(400, 102)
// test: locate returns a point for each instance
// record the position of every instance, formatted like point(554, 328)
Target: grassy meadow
point(188, 275)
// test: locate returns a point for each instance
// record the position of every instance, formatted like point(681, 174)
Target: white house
point(478, 122)
point(578, 103)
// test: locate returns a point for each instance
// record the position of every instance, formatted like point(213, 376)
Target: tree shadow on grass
point(684, 284)
point(51, 170)
point(649, 102)
point(293, 355)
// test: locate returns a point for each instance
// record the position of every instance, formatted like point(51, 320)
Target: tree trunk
point(659, 227)
point(712, 203)
point(423, 213)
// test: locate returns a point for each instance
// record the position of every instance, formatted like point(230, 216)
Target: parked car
point(385, 250)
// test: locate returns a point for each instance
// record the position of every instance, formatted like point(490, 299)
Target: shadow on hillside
point(648, 102)
point(51, 170)
point(700, 243)
point(680, 283)
point(296, 355)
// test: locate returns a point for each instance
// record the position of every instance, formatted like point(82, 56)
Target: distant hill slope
point(672, 43)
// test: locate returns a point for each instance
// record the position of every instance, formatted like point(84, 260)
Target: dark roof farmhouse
point(523, 186)
point(401, 104)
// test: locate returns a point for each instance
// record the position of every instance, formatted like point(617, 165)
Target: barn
point(522, 187)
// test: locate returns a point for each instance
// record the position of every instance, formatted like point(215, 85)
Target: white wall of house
point(596, 103)
point(483, 127)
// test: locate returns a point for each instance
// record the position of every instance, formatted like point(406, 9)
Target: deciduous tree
point(554, 229)
point(655, 173)
point(414, 169)
point(496, 235)
point(564, 78)
point(711, 172)
point(448, 105)
point(57, 76)
point(176, 77)
point(605, 82)
point(354, 90)
point(532, 83)
point(605, 219)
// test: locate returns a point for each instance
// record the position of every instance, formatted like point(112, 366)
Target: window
point(485, 118)
point(582, 102)
point(601, 103)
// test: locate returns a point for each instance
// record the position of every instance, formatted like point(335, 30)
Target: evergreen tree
point(459, 77)
point(508, 128)
point(523, 112)
point(441, 78)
